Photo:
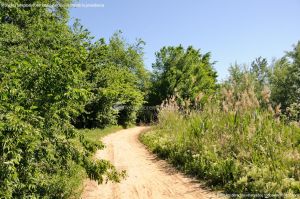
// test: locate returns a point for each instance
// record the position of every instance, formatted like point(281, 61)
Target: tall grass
point(237, 143)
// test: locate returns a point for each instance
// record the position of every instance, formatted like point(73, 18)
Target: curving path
point(147, 178)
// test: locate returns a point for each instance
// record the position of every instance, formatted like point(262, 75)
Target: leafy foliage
point(239, 140)
point(185, 72)
point(42, 87)
point(118, 80)
point(285, 82)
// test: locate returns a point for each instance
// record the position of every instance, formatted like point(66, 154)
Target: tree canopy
point(185, 72)
point(42, 87)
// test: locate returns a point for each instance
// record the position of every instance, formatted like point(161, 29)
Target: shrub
point(42, 88)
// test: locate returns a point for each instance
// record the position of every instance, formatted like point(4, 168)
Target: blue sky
point(232, 30)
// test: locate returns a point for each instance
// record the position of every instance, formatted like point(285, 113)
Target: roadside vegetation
point(54, 78)
point(245, 138)
point(243, 152)
point(57, 81)
point(75, 182)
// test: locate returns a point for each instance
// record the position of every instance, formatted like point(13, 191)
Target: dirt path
point(147, 178)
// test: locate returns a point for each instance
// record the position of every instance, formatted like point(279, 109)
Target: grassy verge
point(241, 153)
point(75, 182)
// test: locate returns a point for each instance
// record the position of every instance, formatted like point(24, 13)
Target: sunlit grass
point(241, 152)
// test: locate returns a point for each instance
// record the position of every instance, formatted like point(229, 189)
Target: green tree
point(118, 81)
point(260, 70)
point(285, 83)
point(256, 76)
point(42, 87)
point(185, 72)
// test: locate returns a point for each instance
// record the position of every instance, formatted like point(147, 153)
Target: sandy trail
point(147, 178)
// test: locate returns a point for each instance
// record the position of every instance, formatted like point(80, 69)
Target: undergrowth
point(243, 148)
point(75, 183)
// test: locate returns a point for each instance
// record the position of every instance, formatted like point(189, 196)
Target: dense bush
point(42, 87)
point(117, 79)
